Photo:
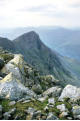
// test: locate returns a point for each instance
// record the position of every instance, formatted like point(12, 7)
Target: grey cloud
point(37, 8)
point(2, 3)
point(53, 14)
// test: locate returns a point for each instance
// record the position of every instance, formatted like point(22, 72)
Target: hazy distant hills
point(64, 41)
point(73, 64)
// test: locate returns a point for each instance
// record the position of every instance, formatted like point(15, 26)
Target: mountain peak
point(29, 40)
point(30, 36)
point(39, 55)
point(32, 33)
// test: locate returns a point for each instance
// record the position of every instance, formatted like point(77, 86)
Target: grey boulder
point(71, 92)
point(12, 89)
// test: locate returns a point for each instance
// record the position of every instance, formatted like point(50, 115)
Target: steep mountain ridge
point(40, 56)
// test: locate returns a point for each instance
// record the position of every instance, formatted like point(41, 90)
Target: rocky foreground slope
point(25, 94)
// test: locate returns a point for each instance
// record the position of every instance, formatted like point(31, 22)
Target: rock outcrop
point(51, 116)
point(16, 66)
point(76, 112)
point(51, 101)
point(71, 92)
point(11, 88)
point(54, 91)
point(61, 107)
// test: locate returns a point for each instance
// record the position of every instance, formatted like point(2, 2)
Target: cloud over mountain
point(17, 13)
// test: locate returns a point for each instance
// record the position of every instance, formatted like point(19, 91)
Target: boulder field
point(25, 94)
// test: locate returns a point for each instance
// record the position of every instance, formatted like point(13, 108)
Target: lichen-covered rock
point(62, 107)
point(26, 101)
point(51, 116)
point(12, 103)
point(33, 114)
point(51, 101)
point(76, 112)
point(69, 118)
point(6, 115)
point(37, 113)
point(71, 92)
point(31, 110)
point(16, 66)
point(27, 97)
point(12, 111)
point(11, 88)
point(53, 91)
point(46, 108)
point(42, 99)
point(23, 72)
point(37, 89)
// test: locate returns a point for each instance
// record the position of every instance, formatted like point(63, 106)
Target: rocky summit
point(26, 94)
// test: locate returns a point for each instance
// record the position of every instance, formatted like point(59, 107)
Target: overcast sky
point(23, 13)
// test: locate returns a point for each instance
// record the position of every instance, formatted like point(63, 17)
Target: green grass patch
point(6, 57)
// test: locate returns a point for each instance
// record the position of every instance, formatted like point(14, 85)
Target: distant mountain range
point(64, 41)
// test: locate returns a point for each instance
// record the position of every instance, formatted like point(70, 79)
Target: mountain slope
point(74, 65)
point(40, 56)
point(7, 44)
point(64, 41)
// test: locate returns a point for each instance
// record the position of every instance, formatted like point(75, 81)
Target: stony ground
point(50, 109)
point(27, 95)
